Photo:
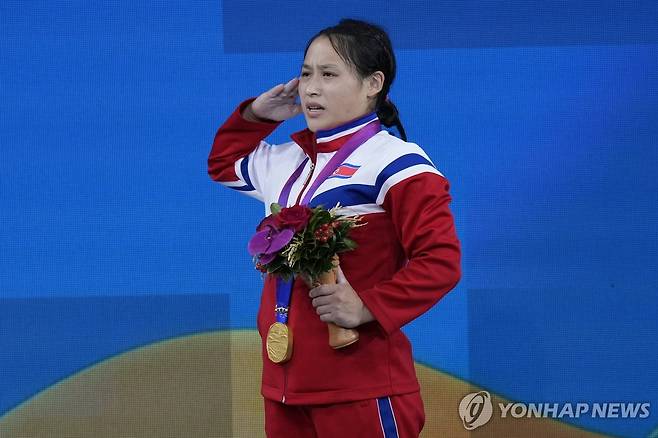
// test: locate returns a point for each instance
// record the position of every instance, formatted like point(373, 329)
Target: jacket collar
point(332, 139)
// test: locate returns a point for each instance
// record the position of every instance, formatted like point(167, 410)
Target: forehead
point(322, 54)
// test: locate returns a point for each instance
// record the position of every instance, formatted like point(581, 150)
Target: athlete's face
point(330, 91)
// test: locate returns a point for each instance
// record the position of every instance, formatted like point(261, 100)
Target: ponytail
point(389, 116)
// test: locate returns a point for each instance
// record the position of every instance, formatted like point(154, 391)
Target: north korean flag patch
point(344, 171)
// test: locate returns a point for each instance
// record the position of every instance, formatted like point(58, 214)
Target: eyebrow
point(321, 66)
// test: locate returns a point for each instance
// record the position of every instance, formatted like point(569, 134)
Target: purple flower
point(266, 243)
point(264, 259)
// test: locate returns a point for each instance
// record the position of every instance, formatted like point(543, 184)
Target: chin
point(315, 125)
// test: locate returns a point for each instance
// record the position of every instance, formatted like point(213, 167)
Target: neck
point(328, 134)
point(332, 139)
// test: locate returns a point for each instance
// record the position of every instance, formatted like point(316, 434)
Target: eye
point(305, 73)
point(328, 74)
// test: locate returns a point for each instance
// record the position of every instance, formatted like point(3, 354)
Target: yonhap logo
point(475, 409)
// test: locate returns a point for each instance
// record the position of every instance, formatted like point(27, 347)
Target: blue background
point(543, 116)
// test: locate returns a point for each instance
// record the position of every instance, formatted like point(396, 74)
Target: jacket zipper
point(308, 179)
point(285, 378)
point(285, 368)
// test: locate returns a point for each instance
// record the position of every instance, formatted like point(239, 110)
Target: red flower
point(269, 221)
point(295, 217)
point(324, 233)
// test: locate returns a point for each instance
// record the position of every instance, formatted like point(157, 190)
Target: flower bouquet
point(302, 241)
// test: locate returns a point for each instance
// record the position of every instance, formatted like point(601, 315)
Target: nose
point(312, 87)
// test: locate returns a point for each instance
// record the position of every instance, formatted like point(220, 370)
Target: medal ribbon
point(283, 292)
point(285, 193)
point(341, 155)
point(345, 151)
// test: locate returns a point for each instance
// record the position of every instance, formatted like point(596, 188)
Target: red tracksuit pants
point(397, 416)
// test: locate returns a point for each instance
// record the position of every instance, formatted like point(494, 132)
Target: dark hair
point(366, 48)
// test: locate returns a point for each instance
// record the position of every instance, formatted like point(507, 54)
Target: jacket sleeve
point(238, 155)
point(418, 208)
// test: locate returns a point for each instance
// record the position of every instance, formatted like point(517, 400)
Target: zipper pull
point(308, 179)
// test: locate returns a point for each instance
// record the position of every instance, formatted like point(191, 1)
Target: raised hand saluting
point(275, 105)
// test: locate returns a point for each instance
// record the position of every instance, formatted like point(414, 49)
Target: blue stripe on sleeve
point(243, 188)
point(244, 168)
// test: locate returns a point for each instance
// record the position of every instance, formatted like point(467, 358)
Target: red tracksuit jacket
point(407, 259)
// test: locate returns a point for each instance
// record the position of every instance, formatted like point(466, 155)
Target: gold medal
point(279, 342)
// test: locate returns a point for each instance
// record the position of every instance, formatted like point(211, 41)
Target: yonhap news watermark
point(476, 409)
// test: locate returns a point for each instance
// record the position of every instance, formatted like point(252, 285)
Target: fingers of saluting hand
point(276, 90)
point(287, 90)
point(290, 89)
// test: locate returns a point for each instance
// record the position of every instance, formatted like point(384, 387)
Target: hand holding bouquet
point(303, 241)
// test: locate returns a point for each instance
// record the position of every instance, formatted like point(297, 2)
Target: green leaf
point(349, 243)
point(305, 254)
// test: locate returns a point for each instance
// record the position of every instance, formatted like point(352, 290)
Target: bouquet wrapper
point(339, 337)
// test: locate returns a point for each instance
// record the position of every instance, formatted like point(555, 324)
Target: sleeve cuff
point(377, 311)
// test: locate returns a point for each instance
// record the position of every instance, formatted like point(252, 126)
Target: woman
point(408, 255)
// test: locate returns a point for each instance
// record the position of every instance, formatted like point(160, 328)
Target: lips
point(313, 107)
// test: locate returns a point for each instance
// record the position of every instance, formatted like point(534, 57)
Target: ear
point(375, 83)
